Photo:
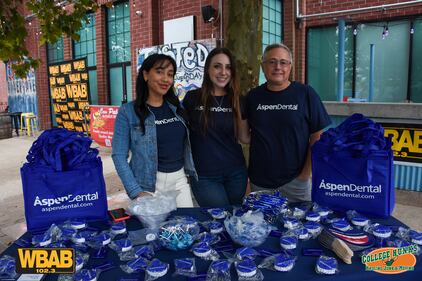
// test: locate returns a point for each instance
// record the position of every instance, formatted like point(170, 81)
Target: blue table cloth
point(303, 270)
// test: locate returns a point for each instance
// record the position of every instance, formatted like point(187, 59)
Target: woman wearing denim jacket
point(153, 129)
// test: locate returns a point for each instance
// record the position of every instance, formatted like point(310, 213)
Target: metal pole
point(340, 75)
point(355, 10)
point(371, 71)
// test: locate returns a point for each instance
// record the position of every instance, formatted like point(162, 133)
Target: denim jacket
point(139, 174)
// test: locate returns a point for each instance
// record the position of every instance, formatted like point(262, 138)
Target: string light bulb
point(412, 28)
point(355, 31)
point(385, 32)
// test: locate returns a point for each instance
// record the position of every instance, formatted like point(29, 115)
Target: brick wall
point(101, 47)
point(40, 52)
point(147, 30)
point(181, 8)
point(295, 32)
point(67, 46)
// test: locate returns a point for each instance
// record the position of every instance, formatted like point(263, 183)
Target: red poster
point(101, 123)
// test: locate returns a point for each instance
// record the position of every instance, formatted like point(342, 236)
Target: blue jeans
point(220, 191)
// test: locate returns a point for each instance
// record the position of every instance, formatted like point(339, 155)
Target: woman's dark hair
point(232, 89)
point(142, 91)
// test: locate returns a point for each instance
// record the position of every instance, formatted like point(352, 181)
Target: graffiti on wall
point(22, 92)
point(190, 60)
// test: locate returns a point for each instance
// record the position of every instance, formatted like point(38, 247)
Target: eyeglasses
point(274, 62)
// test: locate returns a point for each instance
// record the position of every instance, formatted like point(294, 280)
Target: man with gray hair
point(285, 119)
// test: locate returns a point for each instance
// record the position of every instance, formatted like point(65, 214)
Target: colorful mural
point(190, 59)
point(22, 91)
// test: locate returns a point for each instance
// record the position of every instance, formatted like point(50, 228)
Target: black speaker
point(208, 13)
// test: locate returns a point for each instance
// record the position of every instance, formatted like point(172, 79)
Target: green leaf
point(54, 21)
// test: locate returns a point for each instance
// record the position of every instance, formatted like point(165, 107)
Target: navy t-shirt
point(281, 123)
point(217, 151)
point(171, 135)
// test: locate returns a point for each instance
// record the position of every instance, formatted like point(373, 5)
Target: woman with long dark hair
point(153, 128)
point(215, 119)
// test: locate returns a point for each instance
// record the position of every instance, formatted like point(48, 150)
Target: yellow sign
point(69, 88)
point(406, 141)
point(45, 260)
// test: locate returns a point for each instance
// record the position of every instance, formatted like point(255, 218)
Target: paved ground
point(13, 153)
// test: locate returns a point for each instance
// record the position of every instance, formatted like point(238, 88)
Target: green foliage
point(55, 18)
point(244, 39)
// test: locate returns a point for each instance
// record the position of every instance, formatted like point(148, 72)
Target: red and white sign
point(101, 123)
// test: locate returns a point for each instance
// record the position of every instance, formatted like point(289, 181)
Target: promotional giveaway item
point(338, 246)
point(289, 240)
point(7, 267)
point(326, 265)
point(249, 230)
point(355, 239)
point(219, 270)
point(176, 235)
point(270, 203)
point(153, 210)
point(185, 267)
point(248, 271)
point(283, 262)
point(352, 168)
point(63, 179)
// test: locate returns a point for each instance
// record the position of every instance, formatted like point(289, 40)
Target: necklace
point(219, 104)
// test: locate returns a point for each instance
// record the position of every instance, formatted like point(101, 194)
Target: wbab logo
point(391, 260)
point(47, 260)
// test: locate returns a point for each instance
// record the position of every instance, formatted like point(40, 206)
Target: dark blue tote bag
point(352, 168)
point(63, 180)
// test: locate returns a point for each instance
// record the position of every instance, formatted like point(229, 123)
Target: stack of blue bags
point(63, 179)
point(352, 168)
point(61, 150)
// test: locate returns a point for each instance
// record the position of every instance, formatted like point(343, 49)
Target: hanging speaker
point(208, 13)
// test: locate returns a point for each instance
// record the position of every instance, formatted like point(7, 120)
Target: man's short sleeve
point(318, 114)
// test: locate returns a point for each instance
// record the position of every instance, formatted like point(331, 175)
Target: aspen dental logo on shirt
point(265, 107)
point(166, 121)
point(215, 109)
point(350, 190)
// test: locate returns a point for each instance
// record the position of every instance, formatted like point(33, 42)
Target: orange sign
point(391, 260)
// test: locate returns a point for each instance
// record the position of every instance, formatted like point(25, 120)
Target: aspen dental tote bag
point(352, 168)
point(63, 179)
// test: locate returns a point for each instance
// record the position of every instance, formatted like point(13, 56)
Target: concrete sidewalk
point(13, 153)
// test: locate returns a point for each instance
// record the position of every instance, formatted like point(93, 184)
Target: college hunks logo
point(390, 260)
